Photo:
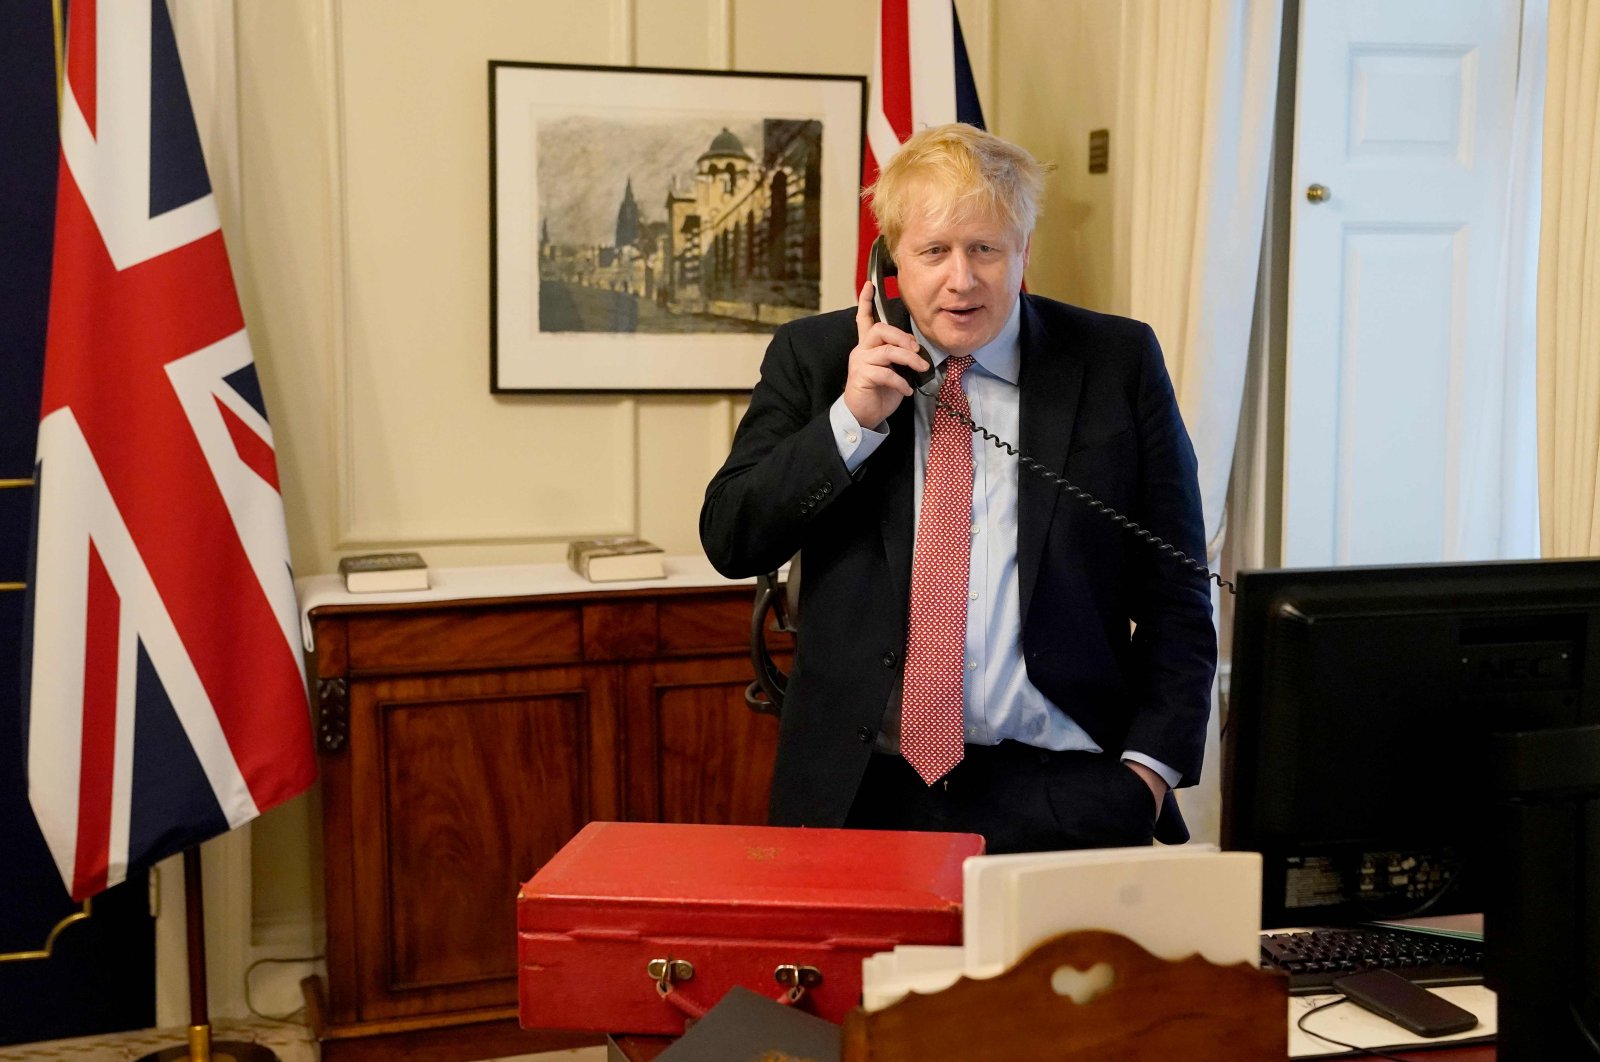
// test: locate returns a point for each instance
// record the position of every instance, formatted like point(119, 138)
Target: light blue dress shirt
point(999, 701)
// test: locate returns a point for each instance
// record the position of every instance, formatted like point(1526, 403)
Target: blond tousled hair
point(957, 171)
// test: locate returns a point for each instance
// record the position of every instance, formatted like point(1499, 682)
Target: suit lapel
point(1051, 381)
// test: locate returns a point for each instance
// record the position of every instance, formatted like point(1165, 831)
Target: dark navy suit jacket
point(1113, 633)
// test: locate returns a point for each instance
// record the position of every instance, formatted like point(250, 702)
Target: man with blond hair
point(977, 652)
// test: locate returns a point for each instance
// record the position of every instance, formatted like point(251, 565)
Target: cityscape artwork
point(673, 225)
point(650, 229)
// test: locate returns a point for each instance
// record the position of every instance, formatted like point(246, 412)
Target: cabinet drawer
point(704, 624)
point(461, 638)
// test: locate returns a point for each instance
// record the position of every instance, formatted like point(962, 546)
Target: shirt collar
point(1001, 356)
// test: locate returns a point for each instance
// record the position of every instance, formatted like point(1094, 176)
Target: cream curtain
point(1198, 101)
point(1499, 510)
point(1569, 286)
point(1200, 98)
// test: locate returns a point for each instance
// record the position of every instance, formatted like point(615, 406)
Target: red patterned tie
point(930, 708)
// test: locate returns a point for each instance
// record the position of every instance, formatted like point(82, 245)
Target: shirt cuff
point(1168, 775)
point(855, 443)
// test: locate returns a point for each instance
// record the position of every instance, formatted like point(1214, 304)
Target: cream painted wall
point(401, 443)
point(1058, 78)
point(362, 254)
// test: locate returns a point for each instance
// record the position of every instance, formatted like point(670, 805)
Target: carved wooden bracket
point(333, 713)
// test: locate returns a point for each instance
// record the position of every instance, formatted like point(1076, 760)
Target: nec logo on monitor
point(1509, 668)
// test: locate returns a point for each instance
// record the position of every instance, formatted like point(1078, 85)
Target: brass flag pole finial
point(61, 62)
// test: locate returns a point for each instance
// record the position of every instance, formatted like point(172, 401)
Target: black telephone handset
point(881, 265)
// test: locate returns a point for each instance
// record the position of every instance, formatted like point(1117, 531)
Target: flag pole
point(200, 1047)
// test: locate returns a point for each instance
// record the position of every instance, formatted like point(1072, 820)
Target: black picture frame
point(650, 227)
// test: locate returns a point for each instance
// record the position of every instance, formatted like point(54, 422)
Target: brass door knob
point(1318, 193)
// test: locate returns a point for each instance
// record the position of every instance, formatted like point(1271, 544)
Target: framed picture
point(650, 228)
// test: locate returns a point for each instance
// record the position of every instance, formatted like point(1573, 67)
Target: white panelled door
point(1403, 127)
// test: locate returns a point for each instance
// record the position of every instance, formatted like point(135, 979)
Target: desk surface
point(1190, 991)
point(646, 1048)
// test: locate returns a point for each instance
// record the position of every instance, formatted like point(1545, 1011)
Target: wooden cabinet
point(463, 743)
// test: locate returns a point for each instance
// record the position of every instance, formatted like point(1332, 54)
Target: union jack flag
point(166, 694)
point(920, 77)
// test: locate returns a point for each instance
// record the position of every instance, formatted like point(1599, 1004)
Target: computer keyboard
point(1313, 958)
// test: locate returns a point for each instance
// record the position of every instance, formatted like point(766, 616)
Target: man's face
point(960, 278)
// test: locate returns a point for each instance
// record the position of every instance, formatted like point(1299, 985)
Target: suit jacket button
point(890, 659)
point(864, 733)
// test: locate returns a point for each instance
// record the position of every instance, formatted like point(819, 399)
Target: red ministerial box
point(634, 927)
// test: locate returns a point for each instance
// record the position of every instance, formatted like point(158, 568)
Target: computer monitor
point(1423, 740)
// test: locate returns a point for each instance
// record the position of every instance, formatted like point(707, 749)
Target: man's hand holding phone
point(873, 389)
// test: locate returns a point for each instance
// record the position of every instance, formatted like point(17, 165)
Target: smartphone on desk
point(880, 266)
point(1408, 1005)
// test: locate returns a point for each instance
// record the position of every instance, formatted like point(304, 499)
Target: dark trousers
point(1020, 798)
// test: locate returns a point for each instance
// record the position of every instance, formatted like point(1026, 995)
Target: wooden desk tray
point(1151, 1009)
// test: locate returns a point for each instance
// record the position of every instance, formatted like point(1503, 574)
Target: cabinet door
point(693, 751)
point(463, 785)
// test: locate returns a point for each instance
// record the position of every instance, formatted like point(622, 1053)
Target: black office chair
point(779, 598)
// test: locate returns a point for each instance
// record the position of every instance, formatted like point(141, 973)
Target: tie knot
point(954, 366)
